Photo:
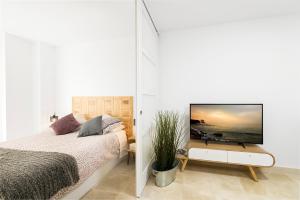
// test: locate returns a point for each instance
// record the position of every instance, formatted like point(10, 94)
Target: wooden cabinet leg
point(128, 158)
point(181, 164)
point(253, 174)
point(184, 164)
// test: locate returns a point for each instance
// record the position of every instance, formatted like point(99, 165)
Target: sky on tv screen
point(237, 118)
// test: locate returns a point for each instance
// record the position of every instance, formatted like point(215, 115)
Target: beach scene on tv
point(227, 123)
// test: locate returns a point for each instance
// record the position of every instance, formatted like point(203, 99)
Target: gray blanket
point(34, 174)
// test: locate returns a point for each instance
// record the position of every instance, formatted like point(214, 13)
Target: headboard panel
point(116, 106)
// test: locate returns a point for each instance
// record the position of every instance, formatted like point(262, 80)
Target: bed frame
point(93, 180)
point(116, 106)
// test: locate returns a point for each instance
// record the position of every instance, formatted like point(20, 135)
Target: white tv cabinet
point(251, 156)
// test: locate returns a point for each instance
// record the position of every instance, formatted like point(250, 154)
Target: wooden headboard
point(117, 106)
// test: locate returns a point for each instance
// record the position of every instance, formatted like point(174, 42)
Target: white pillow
point(111, 127)
point(118, 128)
point(114, 128)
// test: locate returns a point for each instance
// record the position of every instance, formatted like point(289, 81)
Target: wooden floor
point(201, 181)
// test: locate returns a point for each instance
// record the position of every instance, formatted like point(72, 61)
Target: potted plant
point(167, 136)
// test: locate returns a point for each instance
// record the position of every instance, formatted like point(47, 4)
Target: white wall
point(101, 68)
point(30, 85)
point(244, 62)
point(100, 59)
point(2, 79)
point(48, 62)
point(21, 87)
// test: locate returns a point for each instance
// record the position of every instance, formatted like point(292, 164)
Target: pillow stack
point(97, 126)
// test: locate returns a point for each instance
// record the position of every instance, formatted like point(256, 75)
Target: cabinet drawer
point(246, 158)
point(208, 154)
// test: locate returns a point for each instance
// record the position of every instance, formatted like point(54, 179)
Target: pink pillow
point(67, 124)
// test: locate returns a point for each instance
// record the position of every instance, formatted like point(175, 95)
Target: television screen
point(240, 123)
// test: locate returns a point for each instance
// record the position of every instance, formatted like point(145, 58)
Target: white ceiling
point(68, 21)
point(180, 14)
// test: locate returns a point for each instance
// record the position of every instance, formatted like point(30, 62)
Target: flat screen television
point(232, 123)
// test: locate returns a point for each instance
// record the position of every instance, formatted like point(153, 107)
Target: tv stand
point(232, 154)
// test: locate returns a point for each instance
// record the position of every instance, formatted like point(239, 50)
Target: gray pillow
point(91, 127)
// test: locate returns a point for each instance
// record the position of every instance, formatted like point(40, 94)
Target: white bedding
point(90, 152)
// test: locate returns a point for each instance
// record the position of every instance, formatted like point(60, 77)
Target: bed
point(95, 155)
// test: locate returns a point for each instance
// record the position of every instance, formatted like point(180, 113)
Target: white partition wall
point(147, 91)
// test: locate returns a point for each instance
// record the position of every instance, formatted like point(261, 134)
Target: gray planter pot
point(164, 178)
